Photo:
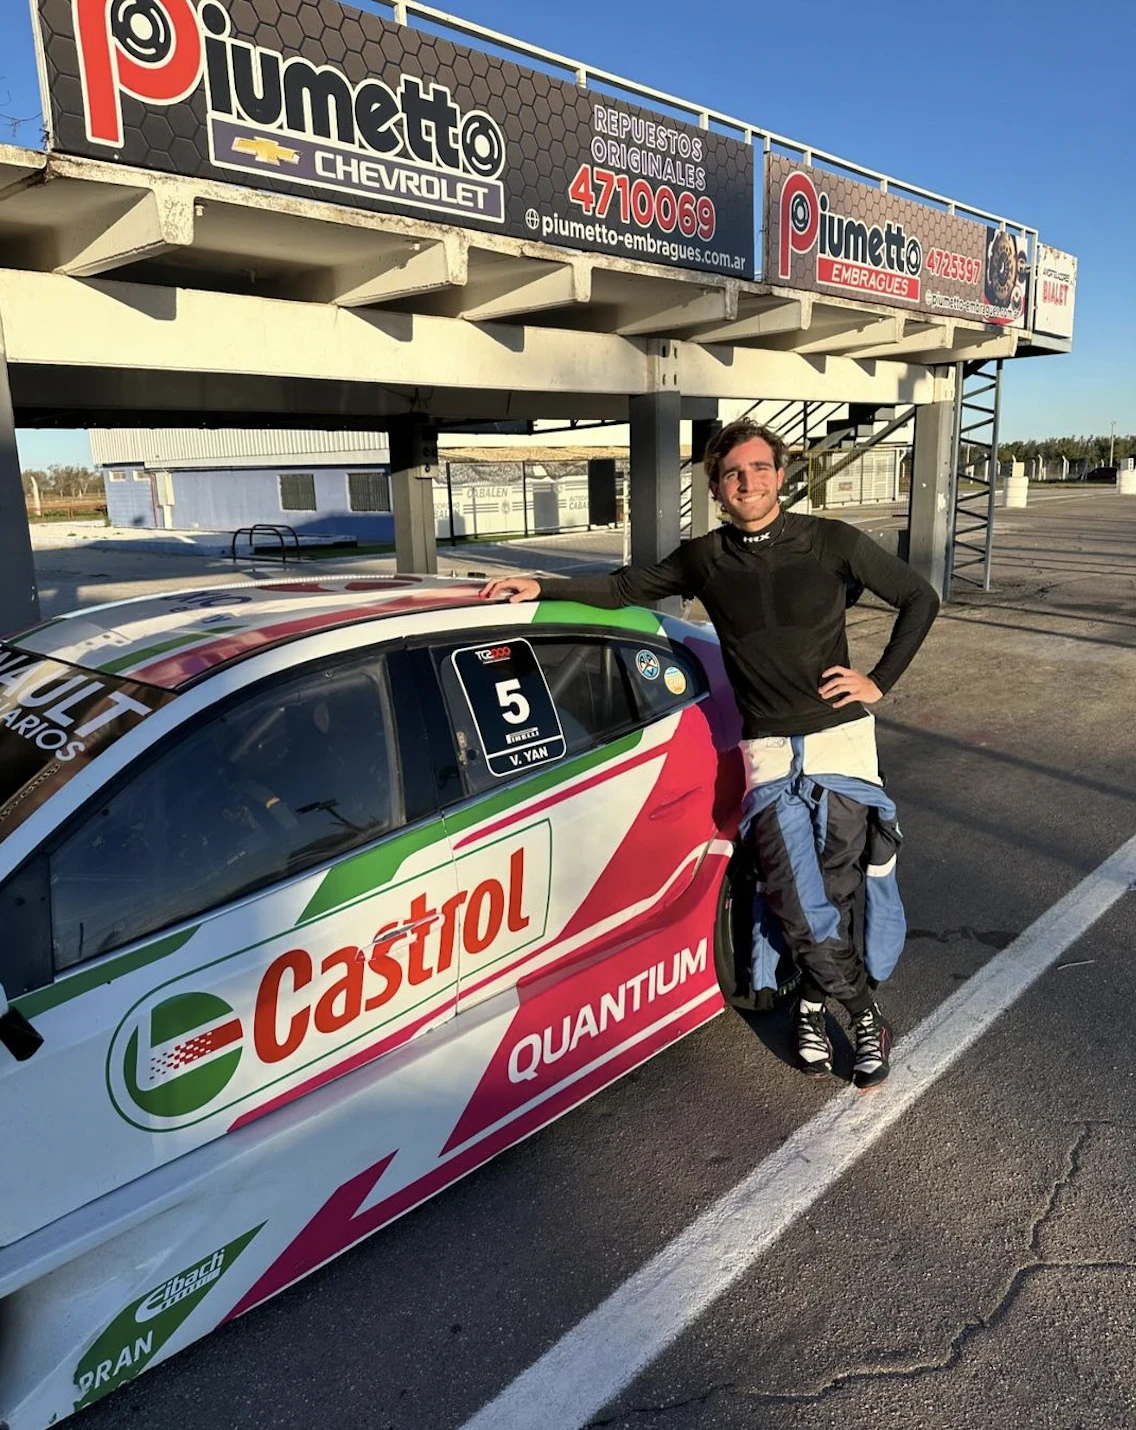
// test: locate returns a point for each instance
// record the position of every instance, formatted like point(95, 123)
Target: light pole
point(1111, 441)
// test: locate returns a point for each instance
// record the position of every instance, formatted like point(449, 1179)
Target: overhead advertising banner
point(1056, 291)
point(342, 105)
point(831, 234)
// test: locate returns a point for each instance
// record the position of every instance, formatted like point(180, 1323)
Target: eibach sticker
point(511, 705)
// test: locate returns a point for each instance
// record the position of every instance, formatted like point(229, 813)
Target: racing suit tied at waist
point(789, 772)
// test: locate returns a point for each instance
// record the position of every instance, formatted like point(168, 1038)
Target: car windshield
point(54, 719)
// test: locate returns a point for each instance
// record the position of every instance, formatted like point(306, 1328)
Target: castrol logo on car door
point(268, 1021)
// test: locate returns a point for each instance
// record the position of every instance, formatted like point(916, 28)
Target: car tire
point(732, 943)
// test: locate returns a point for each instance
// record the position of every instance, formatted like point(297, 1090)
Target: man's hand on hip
point(850, 685)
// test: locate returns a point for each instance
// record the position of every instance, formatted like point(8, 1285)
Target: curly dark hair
point(733, 435)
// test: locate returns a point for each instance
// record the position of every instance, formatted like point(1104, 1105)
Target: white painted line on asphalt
point(605, 1352)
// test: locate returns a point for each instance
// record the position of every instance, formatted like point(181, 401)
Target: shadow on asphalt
point(774, 1030)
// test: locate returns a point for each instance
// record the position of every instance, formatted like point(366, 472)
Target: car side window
point(662, 677)
point(280, 781)
point(590, 693)
point(589, 689)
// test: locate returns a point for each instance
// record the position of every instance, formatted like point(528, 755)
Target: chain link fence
point(482, 500)
point(876, 475)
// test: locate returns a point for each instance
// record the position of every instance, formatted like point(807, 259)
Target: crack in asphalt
point(699, 1399)
point(1003, 1304)
point(992, 938)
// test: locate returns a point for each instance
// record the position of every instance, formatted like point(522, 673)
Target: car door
point(579, 838)
point(246, 914)
point(587, 803)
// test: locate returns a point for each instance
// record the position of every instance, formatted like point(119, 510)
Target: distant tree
point(1091, 451)
point(60, 481)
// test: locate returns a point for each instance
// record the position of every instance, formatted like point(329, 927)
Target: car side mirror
point(16, 1033)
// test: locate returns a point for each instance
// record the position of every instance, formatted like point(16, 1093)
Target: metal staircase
point(827, 438)
point(974, 472)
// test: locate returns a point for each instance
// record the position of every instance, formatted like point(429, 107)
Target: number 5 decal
point(514, 706)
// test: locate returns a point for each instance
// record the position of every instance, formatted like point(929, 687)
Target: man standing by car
point(776, 586)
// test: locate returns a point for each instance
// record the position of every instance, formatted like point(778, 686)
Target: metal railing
point(584, 75)
point(277, 531)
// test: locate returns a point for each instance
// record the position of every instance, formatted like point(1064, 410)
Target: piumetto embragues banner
point(320, 99)
point(830, 234)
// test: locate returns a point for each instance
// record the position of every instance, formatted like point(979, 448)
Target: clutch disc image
point(1001, 269)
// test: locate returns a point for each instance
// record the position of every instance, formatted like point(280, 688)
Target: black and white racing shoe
point(814, 1051)
point(873, 1047)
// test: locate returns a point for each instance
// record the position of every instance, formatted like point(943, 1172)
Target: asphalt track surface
point(965, 1259)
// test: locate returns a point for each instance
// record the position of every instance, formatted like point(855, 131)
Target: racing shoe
point(813, 1048)
point(873, 1047)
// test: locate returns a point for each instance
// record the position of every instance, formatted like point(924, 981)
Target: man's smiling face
point(748, 485)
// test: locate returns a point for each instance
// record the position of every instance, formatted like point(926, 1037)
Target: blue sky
point(1025, 111)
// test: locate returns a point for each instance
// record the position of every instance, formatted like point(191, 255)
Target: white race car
point(315, 896)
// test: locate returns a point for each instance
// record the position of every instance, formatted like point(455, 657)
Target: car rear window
point(54, 719)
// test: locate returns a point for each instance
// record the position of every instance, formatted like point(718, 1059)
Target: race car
point(315, 896)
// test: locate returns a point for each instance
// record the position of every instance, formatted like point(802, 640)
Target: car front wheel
point(733, 942)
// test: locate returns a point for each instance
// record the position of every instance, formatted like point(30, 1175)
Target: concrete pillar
point(1017, 485)
point(704, 514)
point(655, 480)
point(19, 595)
point(931, 526)
point(1126, 478)
point(414, 462)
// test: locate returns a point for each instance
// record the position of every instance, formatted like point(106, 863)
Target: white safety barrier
point(1017, 485)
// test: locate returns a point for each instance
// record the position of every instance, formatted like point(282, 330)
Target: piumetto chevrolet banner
point(834, 235)
point(312, 97)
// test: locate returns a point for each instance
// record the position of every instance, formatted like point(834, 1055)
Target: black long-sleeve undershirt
point(778, 605)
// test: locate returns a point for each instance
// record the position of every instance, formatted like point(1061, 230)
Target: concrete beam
point(56, 322)
point(150, 223)
point(710, 305)
point(830, 333)
point(854, 339)
point(19, 168)
point(978, 347)
point(117, 397)
point(786, 316)
point(916, 337)
point(509, 289)
point(403, 270)
point(726, 372)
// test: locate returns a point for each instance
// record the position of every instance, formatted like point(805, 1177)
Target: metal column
point(929, 512)
point(656, 464)
point(19, 596)
point(414, 461)
point(703, 508)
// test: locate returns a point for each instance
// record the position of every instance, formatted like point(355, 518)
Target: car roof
point(170, 639)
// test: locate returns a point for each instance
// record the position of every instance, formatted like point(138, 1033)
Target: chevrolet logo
point(266, 151)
